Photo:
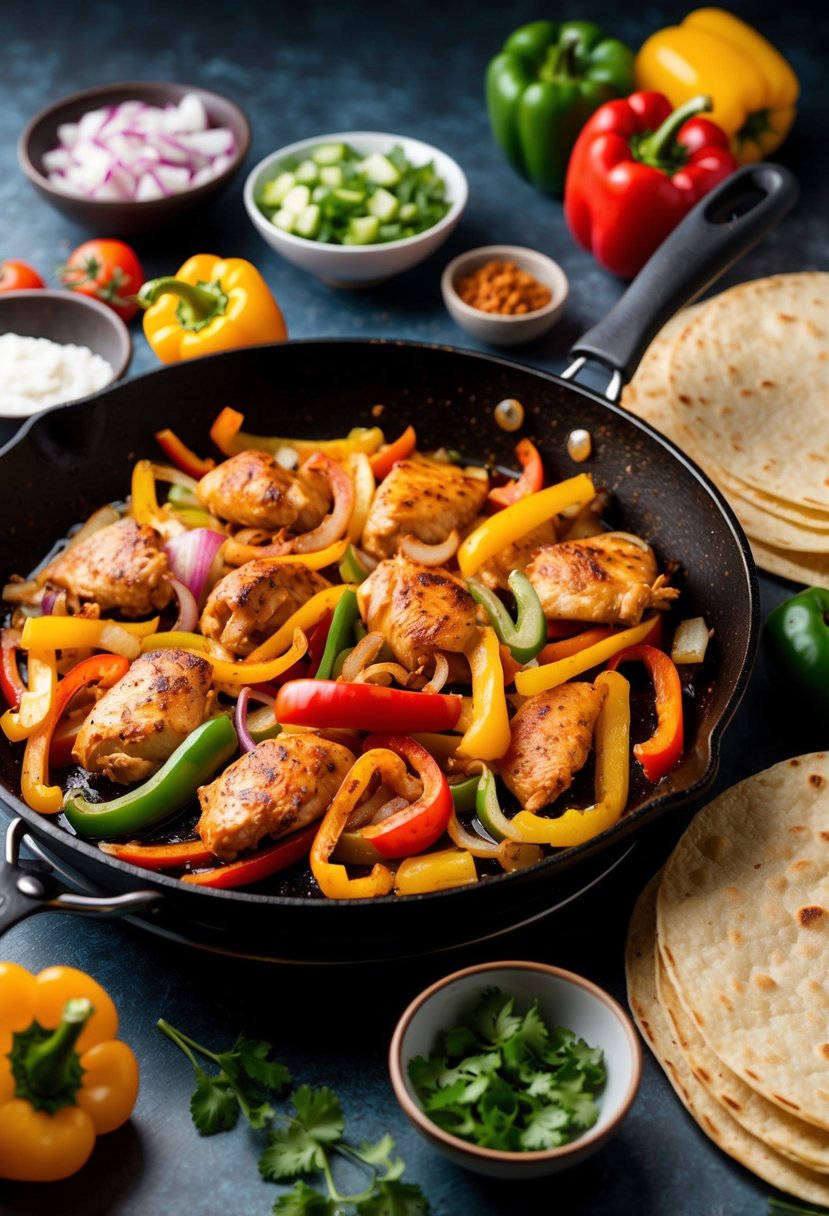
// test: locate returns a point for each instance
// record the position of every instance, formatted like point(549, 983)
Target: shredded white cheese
point(36, 372)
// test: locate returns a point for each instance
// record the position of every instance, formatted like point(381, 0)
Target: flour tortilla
point(743, 928)
point(809, 569)
point(720, 1127)
point(648, 393)
point(749, 385)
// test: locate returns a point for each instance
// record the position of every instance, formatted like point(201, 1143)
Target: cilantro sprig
point(507, 1081)
point(302, 1143)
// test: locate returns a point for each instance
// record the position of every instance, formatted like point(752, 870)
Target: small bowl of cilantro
point(515, 1069)
point(356, 207)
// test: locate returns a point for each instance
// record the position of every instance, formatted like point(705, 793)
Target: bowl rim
point(451, 272)
point(180, 88)
point(593, 1136)
point(260, 221)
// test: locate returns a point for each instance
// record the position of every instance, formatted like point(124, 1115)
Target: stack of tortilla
point(728, 973)
point(740, 382)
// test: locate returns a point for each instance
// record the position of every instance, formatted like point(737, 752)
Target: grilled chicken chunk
point(283, 784)
point(552, 734)
point(418, 609)
point(605, 579)
point(496, 571)
point(253, 489)
point(120, 566)
point(249, 604)
point(424, 500)
point(141, 720)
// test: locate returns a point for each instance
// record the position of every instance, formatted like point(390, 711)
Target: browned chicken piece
point(282, 785)
point(120, 566)
point(604, 579)
point(496, 571)
point(422, 500)
point(141, 720)
point(552, 734)
point(249, 604)
point(253, 489)
point(418, 609)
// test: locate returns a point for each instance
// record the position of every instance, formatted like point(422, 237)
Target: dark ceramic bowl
point(65, 317)
point(127, 218)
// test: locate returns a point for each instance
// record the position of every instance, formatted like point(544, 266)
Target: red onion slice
point(191, 555)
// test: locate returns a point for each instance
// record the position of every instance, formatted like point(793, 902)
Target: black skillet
point(70, 460)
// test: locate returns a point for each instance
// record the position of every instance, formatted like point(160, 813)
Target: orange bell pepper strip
point(181, 456)
point(659, 754)
point(160, 856)
point(564, 647)
point(260, 865)
point(212, 304)
point(11, 684)
point(530, 481)
point(64, 1077)
point(382, 461)
point(228, 436)
point(102, 669)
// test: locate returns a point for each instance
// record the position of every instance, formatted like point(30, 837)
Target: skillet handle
point(715, 234)
point(27, 887)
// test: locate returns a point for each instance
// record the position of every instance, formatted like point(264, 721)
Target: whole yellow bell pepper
point(64, 1077)
point(754, 89)
point(212, 304)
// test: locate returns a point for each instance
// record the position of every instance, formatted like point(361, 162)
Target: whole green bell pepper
point(796, 638)
point(542, 87)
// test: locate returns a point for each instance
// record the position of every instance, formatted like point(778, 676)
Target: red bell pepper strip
point(181, 456)
point(326, 703)
point(636, 169)
point(662, 751)
point(160, 856)
point(11, 684)
point(530, 481)
point(381, 462)
point(419, 825)
point(261, 865)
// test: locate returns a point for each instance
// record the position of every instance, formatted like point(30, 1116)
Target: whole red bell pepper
point(636, 169)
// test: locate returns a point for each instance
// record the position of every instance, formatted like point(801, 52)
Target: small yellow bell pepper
point(516, 520)
point(64, 1077)
point(212, 304)
point(228, 436)
point(754, 89)
point(488, 735)
point(533, 680)
point(435, 872)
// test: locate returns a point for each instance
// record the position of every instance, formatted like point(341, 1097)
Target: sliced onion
point(236, 554)
point(29, 592)
point(441, 674)
point(188, 609)
point(430, 555)
point(364, 813)
point(631, 536)
point(191, 555)
point(383, 673)
point(478, 846)
point(691, 640)
point(365, 652)
point(240, 714)
point(334, 526)
point(175, 477)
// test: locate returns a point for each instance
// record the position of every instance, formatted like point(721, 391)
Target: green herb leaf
point(379, 1155)
point(213, 1106)
point(394, 1198)
point(291, 1150)
point(320, 1112)
point(303, 1200)
point(255, 1058)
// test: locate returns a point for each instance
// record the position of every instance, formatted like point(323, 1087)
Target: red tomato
point(18, 276)
point(108, 270)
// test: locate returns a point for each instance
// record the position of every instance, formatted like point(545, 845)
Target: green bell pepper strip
point(351, 568)
point(542, 87)
point(195, 760)
point(464, 793)
point(340, 635)
point(527, 635)
point(796, 638)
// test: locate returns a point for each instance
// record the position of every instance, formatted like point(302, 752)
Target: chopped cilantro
point(507, 1081)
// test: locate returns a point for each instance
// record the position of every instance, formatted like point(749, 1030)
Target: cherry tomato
point(108, 270)
point(18, 276)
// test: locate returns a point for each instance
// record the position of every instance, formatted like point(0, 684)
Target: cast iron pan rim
point(625, 825)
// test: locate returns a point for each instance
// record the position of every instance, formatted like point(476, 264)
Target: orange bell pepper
point(659, 754)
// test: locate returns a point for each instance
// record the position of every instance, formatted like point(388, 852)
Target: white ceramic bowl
point(500, 329)
point(359, 265)
point(564, 999)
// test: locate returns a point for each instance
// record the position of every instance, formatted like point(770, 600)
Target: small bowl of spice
point(515, 1069)
point(504, 294)
point(55, 347)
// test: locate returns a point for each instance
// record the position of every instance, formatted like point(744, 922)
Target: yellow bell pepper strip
point(612, 745)
point(383, 461)
point(564, 647)
point(236, 553)
point(260, 865)
point(538, 679)
point(212, 304)
point(144, 504)
point(435, 872)
point(305, 618)
point(359, 467)
point(488, 735)
point(332, 877)
point(102, 669)
point(661, 752)
point(36, 701)
point(64, 1077)
point(754, 89)
point(519, 518)
point(71, 632)
point(183, 457)
point(228, 436)
point(194, 761)
point(237, 675)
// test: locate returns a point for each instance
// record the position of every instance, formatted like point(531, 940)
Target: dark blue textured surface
point(417, 69)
